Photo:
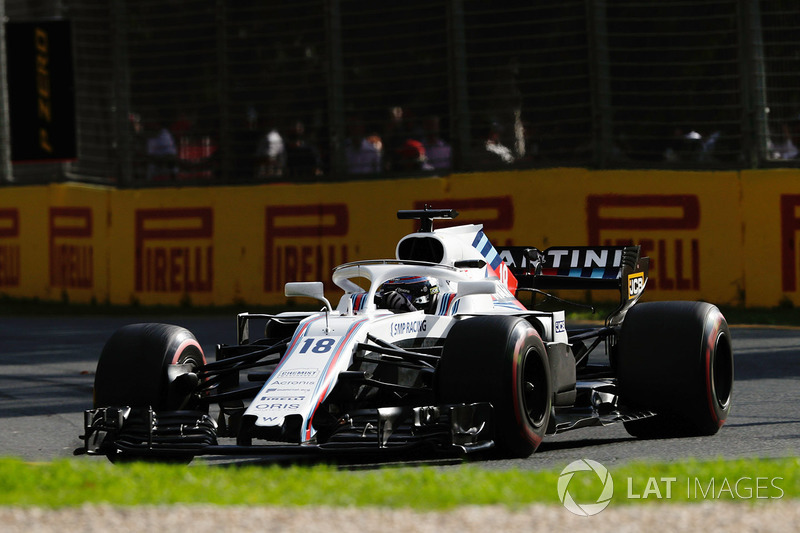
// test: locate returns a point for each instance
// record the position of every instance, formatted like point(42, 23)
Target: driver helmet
point(415, 292)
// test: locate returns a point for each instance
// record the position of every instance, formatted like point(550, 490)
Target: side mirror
point(309, 289)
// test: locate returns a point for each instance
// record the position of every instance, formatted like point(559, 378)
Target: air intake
point(422, 248)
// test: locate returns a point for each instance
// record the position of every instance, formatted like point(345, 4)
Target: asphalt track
point(47, 369)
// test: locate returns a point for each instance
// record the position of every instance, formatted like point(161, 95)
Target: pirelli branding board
point(725, 237)
point(10, 248)
point(495, 213)
point(71, 249)
point(174, 250)
point(304, 243)
point(666, 226)
point(790, 241)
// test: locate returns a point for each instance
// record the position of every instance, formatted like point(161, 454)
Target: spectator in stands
point(245, 136)
point(532, 138)
point(197, 149)
point(787, 147)
point(270, 154)
point(411, 157)
point(685, 145)
point(138, 146)
point(437, 150)
point(302, 157)
point(162, 154)
point(495, 153)
point(689, 145)
point(364, 152)
point(399, 128)
point(505, 108)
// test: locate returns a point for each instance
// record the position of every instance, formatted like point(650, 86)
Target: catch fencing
point(247, 91)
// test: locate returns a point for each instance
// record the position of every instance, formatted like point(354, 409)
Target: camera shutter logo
point(585, 509)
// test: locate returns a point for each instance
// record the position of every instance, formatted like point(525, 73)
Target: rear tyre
point(501, 360)
point(675, 359)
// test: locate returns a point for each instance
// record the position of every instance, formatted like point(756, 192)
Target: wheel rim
point(722, 371)
point(192, 357)
point(534, 388)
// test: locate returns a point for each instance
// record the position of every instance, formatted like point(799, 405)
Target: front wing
point(126, 431)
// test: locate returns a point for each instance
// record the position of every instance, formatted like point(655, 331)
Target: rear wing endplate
point(618, 268)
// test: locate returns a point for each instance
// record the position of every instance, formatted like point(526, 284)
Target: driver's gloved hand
point(397, 302)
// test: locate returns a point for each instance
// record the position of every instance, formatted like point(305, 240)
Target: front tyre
point(501, 360)
point(675, 359)
point(132, 369)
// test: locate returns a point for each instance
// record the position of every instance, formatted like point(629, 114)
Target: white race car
point(431, 348)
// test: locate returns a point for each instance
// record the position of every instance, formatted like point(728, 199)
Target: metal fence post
point(335, 75)
point(755, 134)
point(6, 174)
point(226, 161)
point(459, 101)
point(121, 104)
point(602, 130)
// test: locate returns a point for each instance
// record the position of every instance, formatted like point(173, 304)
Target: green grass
point(65, 483)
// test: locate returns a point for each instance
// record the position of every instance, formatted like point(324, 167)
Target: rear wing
point(618, 268)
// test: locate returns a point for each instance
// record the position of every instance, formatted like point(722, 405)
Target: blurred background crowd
point(219, 91)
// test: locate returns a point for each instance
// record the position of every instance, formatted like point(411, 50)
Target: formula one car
point(430, 349)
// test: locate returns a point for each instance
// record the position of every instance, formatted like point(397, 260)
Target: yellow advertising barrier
point(54, 242)
point(725, 237)
point(771, 236)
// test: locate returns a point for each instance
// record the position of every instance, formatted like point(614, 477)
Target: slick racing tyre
point(675, 359)
point(132, 370)
point(501, 360)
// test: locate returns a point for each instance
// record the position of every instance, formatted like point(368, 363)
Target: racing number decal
point(635, 284)
point(317, 345)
